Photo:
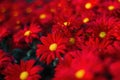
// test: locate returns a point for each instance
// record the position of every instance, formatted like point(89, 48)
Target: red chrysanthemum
point(103, 27)
point(84, 5)
point(25, 71)
point(27, 34)
point(74, 40)
point(102, 33)
point(109, 7)
point(82, 67)
point(53, 47)
point(69, 21)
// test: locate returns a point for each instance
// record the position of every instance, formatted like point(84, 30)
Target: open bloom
point(53, 46)
point(25, 71)
point(27, 34)
point(82, 67)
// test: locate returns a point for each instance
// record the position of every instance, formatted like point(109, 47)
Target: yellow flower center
point(102, 34)
point(80, 74)
point(53, 47)
point(27, 33)
point(28, 10)
point(72, 40)
point(42, 16)
point(85, 20)
point(24, 75)
point(88, 5)
point(66, 23)
point(111, 7)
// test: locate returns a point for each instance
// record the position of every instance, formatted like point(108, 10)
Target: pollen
point(72, 40)
point(111, 7)
point(102, 34)
point(85, 20)
point(53, 47)
point(80, 74)
point(66, 23)
point(27, 33)
point(28, 10)
point(42, 16)
point(88, 5)
point(24, 75)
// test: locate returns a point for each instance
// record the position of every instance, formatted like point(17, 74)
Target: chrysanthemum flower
point(42, 15)
point(53, 46)
point(74, 40)
point(87, 16)
point(103, 27)
point(25, 71)
point(85, 5)
point(27, 34)
point(102, 31)
point(67, 21)
point(109, 7)
point(83, 67)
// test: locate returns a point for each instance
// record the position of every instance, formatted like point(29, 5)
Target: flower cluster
point(59, 39)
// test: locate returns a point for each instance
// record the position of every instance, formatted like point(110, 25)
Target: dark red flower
point(109, 7)
point(82, 67)
point(53, 46)
point(85, 5)
point(25, 71)
point(27, 34)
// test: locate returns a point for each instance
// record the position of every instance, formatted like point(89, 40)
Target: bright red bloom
point(53, 46)
point(42, 15)
point(103, 27)
point(82, 67)
point(109, 7)
point(101, 33)
point(74, 40)
point(68, 21)
point(84, 5)
point(27, 34)
point(87, 16)
point(25, 71)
